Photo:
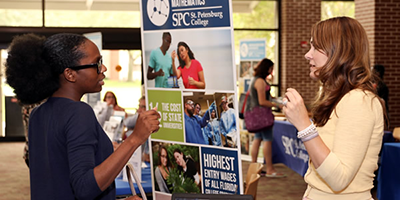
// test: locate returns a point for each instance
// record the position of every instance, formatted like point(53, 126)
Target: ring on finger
point(284, 102)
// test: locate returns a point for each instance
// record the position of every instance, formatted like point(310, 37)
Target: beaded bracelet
point(310, 130)
point(309, 137)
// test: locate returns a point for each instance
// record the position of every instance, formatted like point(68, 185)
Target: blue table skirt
point(389, 172)
point(123, 188)
point(288, 149)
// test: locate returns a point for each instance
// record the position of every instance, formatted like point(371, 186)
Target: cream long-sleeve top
point(354, 135)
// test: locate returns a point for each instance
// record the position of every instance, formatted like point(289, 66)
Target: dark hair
point(165, 34)
point(115, 97)
point(159, 156)
point(190, 54)
point(179, 151)
point(380, 69)
point(34, 63)
point(262, 69)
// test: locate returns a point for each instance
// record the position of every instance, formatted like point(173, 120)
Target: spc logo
point(158, 11)
point(244, 50)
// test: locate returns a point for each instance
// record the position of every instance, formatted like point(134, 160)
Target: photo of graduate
point(210, 119)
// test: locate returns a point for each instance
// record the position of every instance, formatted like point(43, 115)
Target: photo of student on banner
point(212, 132)
point(194, 124)
point(218, 123)
point(208, 47)
point(228, 120)
point(160, 63)
point(183, 165)
point(189, 68)
point(162, 170)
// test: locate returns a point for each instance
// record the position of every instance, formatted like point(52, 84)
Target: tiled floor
point(290, 187)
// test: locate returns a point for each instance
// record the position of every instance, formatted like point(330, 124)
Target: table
point(288, 149)
point(122, 187)
point(389, 173)
point(388, 137)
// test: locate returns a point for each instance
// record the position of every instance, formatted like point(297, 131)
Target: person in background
point(344, 136)
point(70, 155)
point(130, 123)
point(212, 130)
point(196, 114)
point(189, 68)
point(26, 111)
point(259, 96)
point(160, 63)
point(382, 89)
point(111, 100)
point(193, 132)
point(228, 122)
point(162, 170)
point(197, 109)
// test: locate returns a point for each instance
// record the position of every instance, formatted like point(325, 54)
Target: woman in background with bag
point(258, 97)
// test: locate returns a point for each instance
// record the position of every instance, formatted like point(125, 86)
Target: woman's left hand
point(295, 110)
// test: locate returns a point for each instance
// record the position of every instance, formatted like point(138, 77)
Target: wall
point(297, 18)
point(380, 18)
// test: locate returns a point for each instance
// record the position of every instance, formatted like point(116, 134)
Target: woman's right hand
point(146, 124)
point(295, 110)
point(173, 55)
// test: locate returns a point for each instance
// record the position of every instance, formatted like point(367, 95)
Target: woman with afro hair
point(70, 155)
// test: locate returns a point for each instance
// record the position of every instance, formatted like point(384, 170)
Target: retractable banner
point(190, 77)
point(252, 51)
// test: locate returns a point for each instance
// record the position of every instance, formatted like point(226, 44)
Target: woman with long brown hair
point(344, 136)
point(162, 170)
point(189, 68)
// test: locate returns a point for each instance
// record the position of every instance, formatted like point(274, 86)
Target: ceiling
point(110, 5)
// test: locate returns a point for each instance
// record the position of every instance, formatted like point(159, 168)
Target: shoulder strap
point(245, 99)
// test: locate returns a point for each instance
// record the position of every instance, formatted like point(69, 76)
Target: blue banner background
point(220, 172)
point(168, 14)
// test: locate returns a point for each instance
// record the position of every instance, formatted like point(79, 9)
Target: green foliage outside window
point(262, 17)
point(331, 9)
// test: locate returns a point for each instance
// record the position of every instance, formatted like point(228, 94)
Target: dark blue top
point(65, 144)
point(193, 125)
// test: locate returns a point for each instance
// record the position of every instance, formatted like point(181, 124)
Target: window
point(331, 9)
point(258, 20)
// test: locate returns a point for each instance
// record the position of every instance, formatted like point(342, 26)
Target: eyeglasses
point(98, 65)
point(191, 103)
point(163, 156)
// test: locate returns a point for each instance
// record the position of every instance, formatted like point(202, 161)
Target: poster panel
point(190, 77)
point(252, 51)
